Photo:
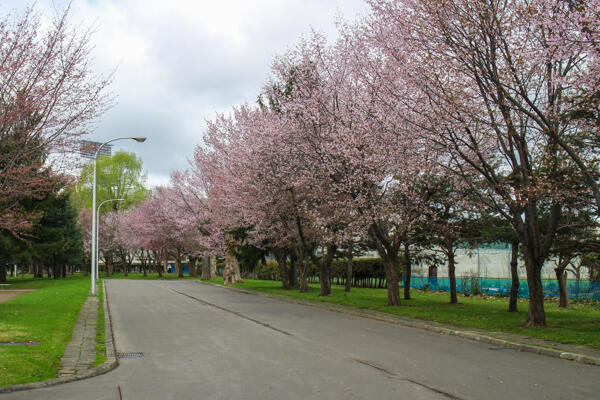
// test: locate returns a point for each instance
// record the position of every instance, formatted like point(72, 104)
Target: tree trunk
point(205, 268)
point(514, 274)
point(38, 271)
point(125, 269)
point(85, 269)
point(324, 278)
point(324, 264)
point(281, 258)
point(349, 268)
point(193, 266)
point(231, 274)
point(2, 272)
point(407, 272)
point(293, 269)
point(388, 247)
point(107, 264)
point(577, 271)
point(390, 264)
point(179, 267)
point(213, 267)
point(162, 268)
point(303, 269)
point(451, 272)
point(536, 316)
point(561, 276)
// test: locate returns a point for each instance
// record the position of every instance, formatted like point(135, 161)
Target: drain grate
point(28, 343)
point(130, 355)
point(504, 349)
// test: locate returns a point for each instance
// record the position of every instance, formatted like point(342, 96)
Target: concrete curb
point(111, 360)
point(418, 324)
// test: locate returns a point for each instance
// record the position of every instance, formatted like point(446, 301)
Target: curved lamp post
point(98, 231)
point(94, 264)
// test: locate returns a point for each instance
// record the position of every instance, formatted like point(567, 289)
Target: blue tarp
point(581, 290)
point(171, 268)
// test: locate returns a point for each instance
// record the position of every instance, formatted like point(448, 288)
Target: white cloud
point(179, 62)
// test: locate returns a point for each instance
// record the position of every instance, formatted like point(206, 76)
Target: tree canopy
point(117, 177)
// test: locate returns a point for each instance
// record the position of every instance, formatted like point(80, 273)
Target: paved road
point(207, 342)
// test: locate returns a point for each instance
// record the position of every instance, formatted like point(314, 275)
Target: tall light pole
point(98, 231)
point(93, 261)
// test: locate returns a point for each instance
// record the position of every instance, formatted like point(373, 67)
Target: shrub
point(268, 271)
point(475, 289)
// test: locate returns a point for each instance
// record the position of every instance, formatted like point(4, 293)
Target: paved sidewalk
point(80, 353)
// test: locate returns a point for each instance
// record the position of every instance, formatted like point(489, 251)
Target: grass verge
point(47, 316)
point(579, 324)
point(100, 331)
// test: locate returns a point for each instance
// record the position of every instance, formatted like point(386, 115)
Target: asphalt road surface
point(207, 342)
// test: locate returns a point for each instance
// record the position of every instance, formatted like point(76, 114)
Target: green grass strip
point(47, 316)
point(579, 324)
point(100, 331)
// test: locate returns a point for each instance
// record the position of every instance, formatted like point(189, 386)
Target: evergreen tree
point(57, 240)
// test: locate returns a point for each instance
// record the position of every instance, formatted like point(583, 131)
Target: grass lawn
point(579, 324)
point(46, 316)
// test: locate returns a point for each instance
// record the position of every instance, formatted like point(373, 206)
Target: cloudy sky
point(181, 61)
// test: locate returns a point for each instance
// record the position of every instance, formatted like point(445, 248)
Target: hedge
point(366, 272)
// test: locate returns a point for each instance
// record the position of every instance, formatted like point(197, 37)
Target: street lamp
point(98, 231)
point(94, 264)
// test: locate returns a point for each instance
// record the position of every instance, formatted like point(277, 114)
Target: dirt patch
point(6, 295)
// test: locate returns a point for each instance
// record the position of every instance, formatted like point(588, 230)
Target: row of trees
point(425, 125)
point(422, 114)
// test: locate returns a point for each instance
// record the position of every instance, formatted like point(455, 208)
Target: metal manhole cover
point(130, 355)
point(504, 349)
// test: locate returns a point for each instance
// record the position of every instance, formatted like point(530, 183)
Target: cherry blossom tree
point(498, 94)
point(144, 224)
point(239, 193)
point(209, 171)
point(358, 160)
point(349, 139)
point(162, 223)
point(137, 226)
point(321, 158)
point(84, 223)
point(49, 98)
point(109, 245)
point(195, 217)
